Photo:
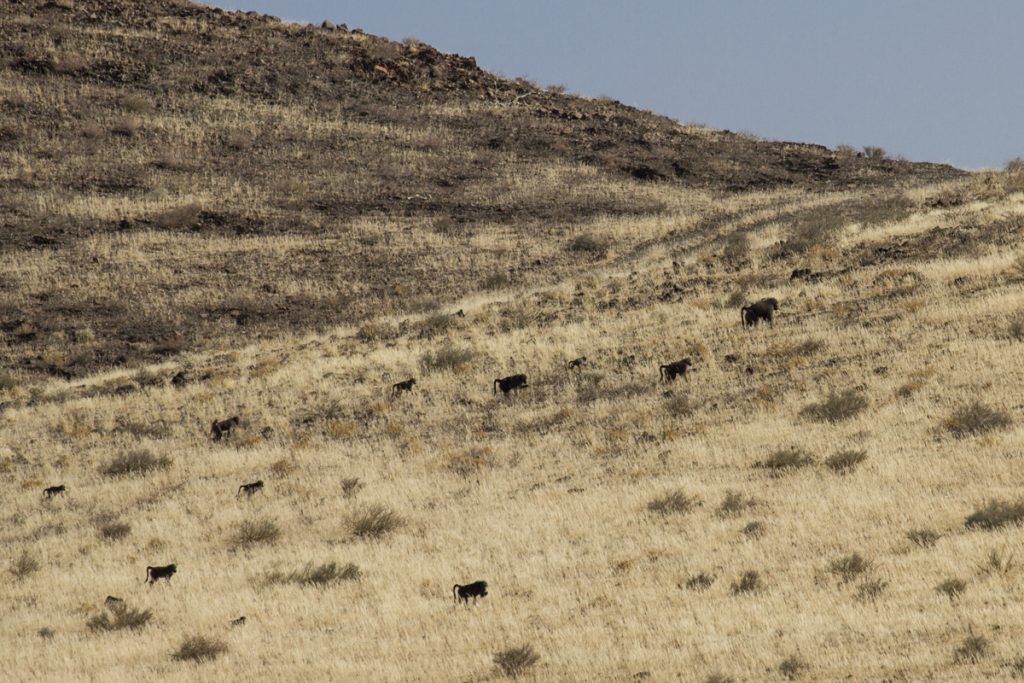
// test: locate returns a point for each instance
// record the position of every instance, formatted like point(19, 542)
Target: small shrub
point(754, 530)
point(996, 514)
point(282, 468)
point(589, 244)
point(376, 331)
point(734, 503)
point(448, 358)
point(1016, 327)
point(136, 104)
point(114, 530)
point(700, 582)
point(785, 460)
point(749, 582)
point(179, 218)
point(435, 325)
point(1015, 165)
point(737, 248)
point(125, 127)
point(134, 463)
point(674, 501)
point(679, 406)
point(845, 461)
point(997, 563)
point(925, 538)
point(792, 667)
point(375, 521)
point(350, 486)
point(120, 617)
point(817, 232)
point(870, 590)
point(496, 281)
point(46, 633)
point(875, 153)
point(515, 661)
point(972, 650)
point(850, 567)
point(24, 566)
point(837, 407)
point(199, 649)
point(974, 419)
point(319, 575)
point(952, 588)
point(719, 678)
point(736, 299)
point(251, 533)
point(1017, 667)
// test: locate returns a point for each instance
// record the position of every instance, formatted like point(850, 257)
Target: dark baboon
point(222, 428)
point(762, 310)
point(240, 621)
point(460, 313)
point(53, 491)
point(670, 371)
point(399, 387)
point(800, 273)
point(180, 379)
point(507, 384)
point(578, 363)
point(114, 603)
point(249, 489)
point(477, 589)
point(154, 574)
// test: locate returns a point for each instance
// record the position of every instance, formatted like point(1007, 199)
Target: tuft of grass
point(114, 530)
point(785, 460)
point(46, 633)
point(837, 407)
point(749, 582)
point(870, 590)
point(120, 617)
point(24, 566)
point(972, 650)
point(253, 532)
point(952, 588)
point(516, 661)
point(679, 406)
point(996, 514)
point(199, 649)
point(924, 538)
point(754, 530)
point(844, 462)
point(974, 419)
point(1015, 165)
point(375, 521)
point(1017, 667)
point(135, 463)
point(792, 667)
point(700, 582)
point(1016, 327)
point(875, 153)
point(850, 567)
point(673, 502)
point(718, 677)
point(350, 486)
point(319, 575)
point(997, 563)
point(592, 245)
point(448, 358)
point(734, 503)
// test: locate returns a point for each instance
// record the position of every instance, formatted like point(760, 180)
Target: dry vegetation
point(833, 498)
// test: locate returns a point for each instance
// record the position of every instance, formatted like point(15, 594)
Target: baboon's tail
point(494, 389)
point(148, 570)
point(743, 315)
point(455, 597)
point(661, 371)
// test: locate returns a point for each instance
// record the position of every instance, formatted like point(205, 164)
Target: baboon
point(240, 621)
point(154, 574)
point(460, 313)
point(800, 273)
point(250, 489)
point(578, 363)
point(477, 589)
point(53, 491)
point(113, 603)
point(670, 371)
point(762, 310)
point(180, 379)
point(507, 384)
point(222, 428)
point(399, 387)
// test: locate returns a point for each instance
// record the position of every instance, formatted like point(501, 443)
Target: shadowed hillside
point(177, 177)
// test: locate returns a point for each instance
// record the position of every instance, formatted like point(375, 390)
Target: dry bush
point(870, 590)
point(179, 218)
point(114, 530)
point(199, 649)
point(350, 486)
point(850, 567)
point(737, 248)
point(497, 280)
point(749, 582)
point(673, 502)
point(318, 575)
point(1016, 327)
point(838, 406)
point(516, 661)
point(125, 127)
point(135, 463)
point(974, 419)
point(253, 532)
point(120, 617)
point(591, 245)
point(785, 460)
point(734, 503)
point(1015, 165)
point(996, 514)
point(817, 231)
point(719, 677)
point(448, 358)
point(700, 582)
point(844, 462)
point(136, 104)
point(282, 468)
point(875, 153)
point(374, 331)
point(25, 565)
point(997, 563)
point(375, 521)
point(972, 650)
point(792, 667)
point(1017, 667)
point(952, 588)
point(679, 406)
point(925, 538)
point(754, 530)
point(46, 633)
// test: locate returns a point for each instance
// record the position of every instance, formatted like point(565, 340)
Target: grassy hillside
point(834, 497)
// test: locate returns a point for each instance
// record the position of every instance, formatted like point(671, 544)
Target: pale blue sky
point(936, 80)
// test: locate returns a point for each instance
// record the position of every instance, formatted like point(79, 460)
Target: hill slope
point(176, 177)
